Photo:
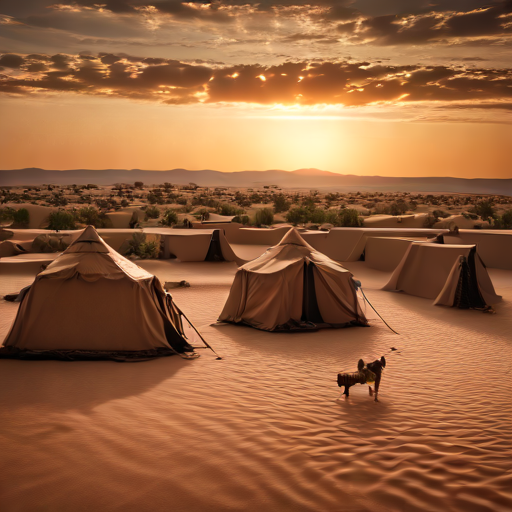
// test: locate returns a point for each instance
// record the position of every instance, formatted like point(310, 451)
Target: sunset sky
point(394, 88)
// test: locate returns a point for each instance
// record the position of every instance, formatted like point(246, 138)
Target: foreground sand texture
point(262, 429)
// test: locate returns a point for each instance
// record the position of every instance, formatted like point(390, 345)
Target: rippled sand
point(263, 429)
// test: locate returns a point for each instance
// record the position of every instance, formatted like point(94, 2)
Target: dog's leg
point(370, 391)
point(346, 392)
point(377, 385)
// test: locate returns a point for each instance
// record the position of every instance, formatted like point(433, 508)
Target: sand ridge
point(263, 428)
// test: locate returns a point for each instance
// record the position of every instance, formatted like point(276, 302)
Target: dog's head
point(377, 365)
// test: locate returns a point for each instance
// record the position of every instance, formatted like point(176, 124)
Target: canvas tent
point(214, 218)
point(452, 275)
point(91, 302)
point(293, 286)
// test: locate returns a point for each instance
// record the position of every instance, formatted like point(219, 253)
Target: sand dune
point(263, 429)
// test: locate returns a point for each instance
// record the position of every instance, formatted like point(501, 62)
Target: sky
point(369, 87)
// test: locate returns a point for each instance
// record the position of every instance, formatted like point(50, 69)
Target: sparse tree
point(152, 212)
point(281, 203)
point(265, 217)
point(169, 218)
point(61, 219)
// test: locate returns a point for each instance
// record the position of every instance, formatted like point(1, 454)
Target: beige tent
point(91, 302)
point(292, 286)
point(453, 275)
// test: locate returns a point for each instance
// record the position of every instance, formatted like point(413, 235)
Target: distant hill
point(301, 178)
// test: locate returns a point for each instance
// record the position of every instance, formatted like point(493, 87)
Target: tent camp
point(453, 275)
point(292, 286)
point(93, 303)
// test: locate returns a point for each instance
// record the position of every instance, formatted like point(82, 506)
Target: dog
point(366, 374)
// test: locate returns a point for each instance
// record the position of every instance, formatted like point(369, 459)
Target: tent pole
point(200, 335)
point(391, 329)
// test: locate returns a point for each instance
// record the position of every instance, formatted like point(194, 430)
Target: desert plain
point(266, 426)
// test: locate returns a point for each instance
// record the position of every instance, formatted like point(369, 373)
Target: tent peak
point(89, 234)
point(293, 237)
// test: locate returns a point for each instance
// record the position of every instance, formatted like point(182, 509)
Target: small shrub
point(6, 216)
point(484, 209)
point(61, 220)
point(281, 204)
point(21, 218)
point(169, 218)
point(506, 220)
point(317, 216)
point(264, 216)
point(398, 207)
point(90, 216)
point(152, 212)
point(349, 217)
point(228, 209)
point(297, 215)
point(138, 246)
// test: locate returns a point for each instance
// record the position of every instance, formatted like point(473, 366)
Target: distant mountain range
point(301, 178)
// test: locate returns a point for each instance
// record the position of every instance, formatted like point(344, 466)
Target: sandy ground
point(263, 429)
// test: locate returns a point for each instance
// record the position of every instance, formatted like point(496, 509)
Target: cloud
point(396, 22)
point(10, 60)
point(436, 26)
point(290, 83)
point(482, 106)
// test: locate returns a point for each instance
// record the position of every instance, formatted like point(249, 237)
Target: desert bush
point(90, 216)
point(398, 207)
point(484, 209)
point(6, 216)
point(138, 246)
point(331, 216)
point(265, 216)
point(297, 215)
point(317, 216)
point(229, 209)
point(169, 218)
point(152, 212)
point(152, 199)
point(506, 220)
point(21, 218)
point(61, 219)
point(348, 217)
point(281, 203)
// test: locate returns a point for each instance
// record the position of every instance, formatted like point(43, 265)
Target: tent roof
point(293, 237)
point(89, 255)
point(214, 218)
point(292, 249)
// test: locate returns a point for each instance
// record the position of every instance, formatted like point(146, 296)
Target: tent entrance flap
point(310, 310)
point(215, 251)
point(468, 294)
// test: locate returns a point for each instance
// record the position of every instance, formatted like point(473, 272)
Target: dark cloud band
point(290, 83)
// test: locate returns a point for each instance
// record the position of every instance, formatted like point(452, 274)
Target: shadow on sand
point(79, 385)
